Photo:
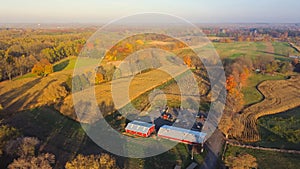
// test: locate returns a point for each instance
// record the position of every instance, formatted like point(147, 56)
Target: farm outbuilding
point(140, 128)
point(181, 135)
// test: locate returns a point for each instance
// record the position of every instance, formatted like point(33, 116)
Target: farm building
point(181, 135)
point(140, 128)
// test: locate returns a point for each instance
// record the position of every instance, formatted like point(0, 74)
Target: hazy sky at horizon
point(205, 11)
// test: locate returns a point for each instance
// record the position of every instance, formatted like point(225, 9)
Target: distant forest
point(21, 49)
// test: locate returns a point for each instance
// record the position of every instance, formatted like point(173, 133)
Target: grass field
point(281, 130)
point(267, 159)
point(71, 62)
point(283, 49)
point(65, 64)
point(280, 50)
point(238, 49)
point(251, 94)
point(28, 75)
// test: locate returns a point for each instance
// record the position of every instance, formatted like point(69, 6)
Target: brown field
point(279, 96)
point(139, 85)
point(28, 93)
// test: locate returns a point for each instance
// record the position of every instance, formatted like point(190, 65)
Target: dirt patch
point(269, 47)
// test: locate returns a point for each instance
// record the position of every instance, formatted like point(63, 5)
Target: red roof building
point(140, 128)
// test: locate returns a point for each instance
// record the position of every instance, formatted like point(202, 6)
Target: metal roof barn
point(140, 128)
point(181, 135)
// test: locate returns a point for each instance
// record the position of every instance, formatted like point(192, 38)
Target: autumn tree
point(129, 47)
point(16, 50)
point(21, 63)
point(244, 76)
point(99, 78)
point(230, 83)
point(42, 68)
point(9, 66)
point(105, 72)
point(103, 161)
point(272, 67)
point(50, 54)
point(238, 73)
point(139, 42)
point(188, 61)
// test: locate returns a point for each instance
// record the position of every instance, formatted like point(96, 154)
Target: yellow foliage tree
point(139, 42)
point(103, 161)
point(42, 68)
point(129, 47)
point(99, 78)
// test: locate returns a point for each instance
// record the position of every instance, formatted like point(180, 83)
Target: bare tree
point(22, 147)
point(43, 161)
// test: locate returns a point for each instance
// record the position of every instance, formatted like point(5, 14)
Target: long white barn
point(181, 135)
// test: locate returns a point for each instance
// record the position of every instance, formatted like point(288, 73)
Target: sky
point(197, 11)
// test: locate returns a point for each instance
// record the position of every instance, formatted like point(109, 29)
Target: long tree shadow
point(61, 66)
point(271, 53)
point(28, 99)
point(6, 98)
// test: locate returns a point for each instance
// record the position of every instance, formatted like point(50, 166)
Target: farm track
point(279, 96)
point(236, 144)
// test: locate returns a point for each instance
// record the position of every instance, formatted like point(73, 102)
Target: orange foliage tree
point(188, 61)
point(99, 78)
point(244, 76)
point(230, 83)
point(42, 68)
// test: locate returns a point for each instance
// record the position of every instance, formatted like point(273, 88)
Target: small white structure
point(295, 57)
point(181, 135)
